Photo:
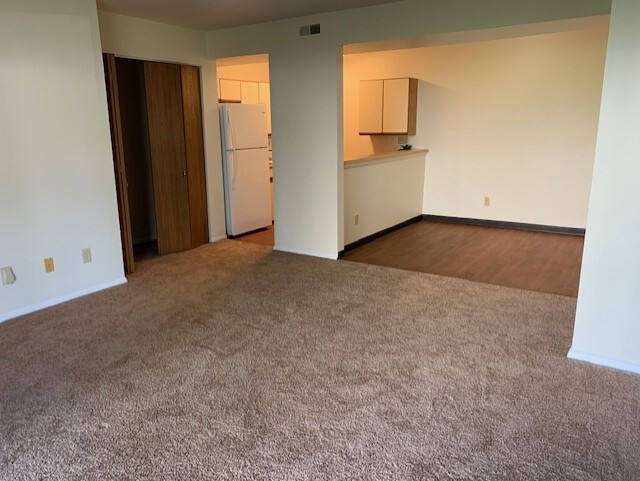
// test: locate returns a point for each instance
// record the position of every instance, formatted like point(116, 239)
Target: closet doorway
point(155, 112)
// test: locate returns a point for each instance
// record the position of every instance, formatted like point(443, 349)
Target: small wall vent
point(310, 30)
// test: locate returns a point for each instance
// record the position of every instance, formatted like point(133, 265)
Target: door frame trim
point(115, 126)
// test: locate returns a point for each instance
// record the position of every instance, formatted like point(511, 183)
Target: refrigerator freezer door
point(247, 187)
point(245, 126)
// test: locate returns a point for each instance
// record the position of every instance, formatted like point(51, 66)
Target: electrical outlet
point(487, 201)
point(86, 255)
point(48, 264)
point(357, 219)
point(403, 139)
point(8, 277)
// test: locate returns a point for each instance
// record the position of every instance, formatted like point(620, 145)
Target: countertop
point(396, 154)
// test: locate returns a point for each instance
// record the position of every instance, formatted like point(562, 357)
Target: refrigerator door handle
point(232, 168)
point(231, 136)
point(231, 149)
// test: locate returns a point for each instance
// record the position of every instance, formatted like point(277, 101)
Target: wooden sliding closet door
point(192, 109)
point(168, 159)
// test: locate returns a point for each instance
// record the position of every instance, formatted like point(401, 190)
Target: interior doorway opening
point(155, 113)
point(244, 96)
point(439, 176)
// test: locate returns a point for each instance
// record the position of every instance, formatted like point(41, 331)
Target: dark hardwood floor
point(528, 260)
point(263, 237)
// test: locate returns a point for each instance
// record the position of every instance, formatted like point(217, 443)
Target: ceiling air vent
point(310, 30)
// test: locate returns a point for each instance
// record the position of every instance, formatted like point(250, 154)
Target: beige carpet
point(234, 362)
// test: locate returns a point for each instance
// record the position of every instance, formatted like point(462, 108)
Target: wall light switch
point(48, 264)
point(86, 255)
point(8, 277)
point(357, 219)
point(487, 201)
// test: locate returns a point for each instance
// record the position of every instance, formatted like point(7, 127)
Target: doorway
point(155, 112)
point(244, 95)
point(465, 197)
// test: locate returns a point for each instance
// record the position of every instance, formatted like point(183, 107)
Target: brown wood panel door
point(115, 123)
point(168, 160)
point(194, 143)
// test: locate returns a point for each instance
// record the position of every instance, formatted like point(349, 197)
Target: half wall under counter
point(382, 191)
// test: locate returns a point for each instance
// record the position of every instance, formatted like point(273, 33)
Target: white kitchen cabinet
point(265, 98)
point(250, 92)
point(371, 101)
point(388, 107)
point(395, 116)
point(229, 91)
point(264, 93)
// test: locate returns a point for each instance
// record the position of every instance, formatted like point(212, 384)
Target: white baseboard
point(59, 300)
point(603, 361)
point(304, 252)
point(217, 238)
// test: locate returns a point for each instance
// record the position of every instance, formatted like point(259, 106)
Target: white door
point(395, 119)
point(245, 126)
point(248, 188)
point(371, 107)
point(250, 92)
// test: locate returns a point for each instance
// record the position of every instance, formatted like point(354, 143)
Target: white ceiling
point(215, 14)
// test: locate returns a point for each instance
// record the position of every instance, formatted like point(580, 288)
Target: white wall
point(382, 194)
point(607, 329)
point(57, 188)
point(147, 40)
point(514, 119)
point(305, 78)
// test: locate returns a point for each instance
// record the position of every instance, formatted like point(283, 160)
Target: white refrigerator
point(245, 160)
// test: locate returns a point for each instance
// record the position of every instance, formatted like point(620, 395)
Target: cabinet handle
point(184, 173)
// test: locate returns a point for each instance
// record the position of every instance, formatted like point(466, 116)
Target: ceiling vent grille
point(310, 30)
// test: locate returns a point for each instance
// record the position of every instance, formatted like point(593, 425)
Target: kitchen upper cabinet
point(371, 100)
point(264, 97)
point(249, 92)
point(399, 106)
point(229, 91)
point(388, 107)
point(264, 93)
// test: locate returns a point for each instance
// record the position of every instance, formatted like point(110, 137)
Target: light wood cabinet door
point(265, 98)
point(371, 102)
point(229, 91)
point(395, 109)
point(249, 92)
